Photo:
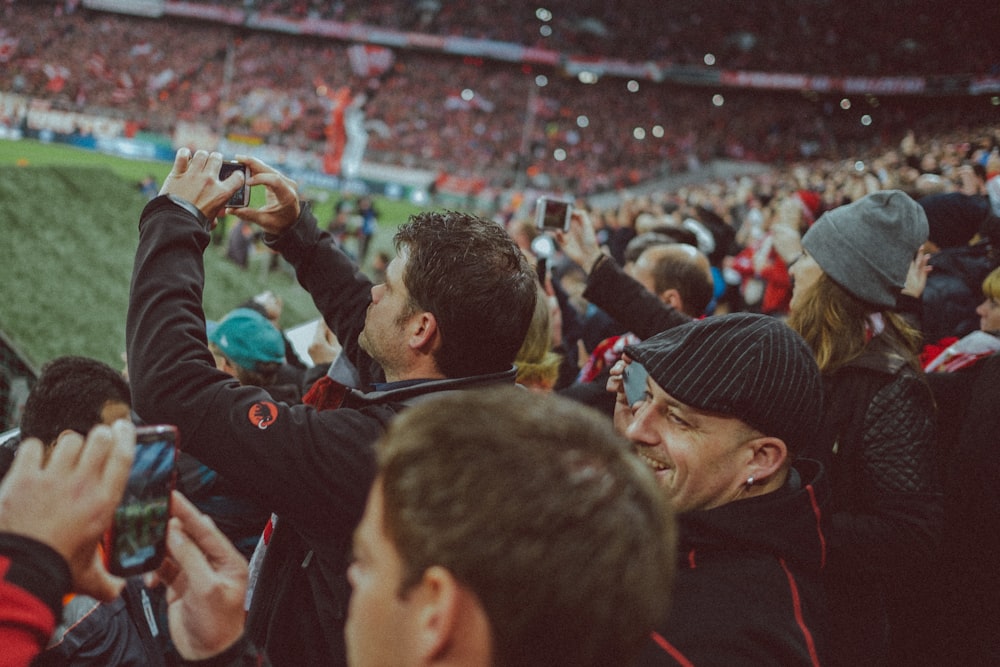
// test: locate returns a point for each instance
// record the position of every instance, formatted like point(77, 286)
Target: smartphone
point(242, 196)
point(634, 381)
point(551, 213)
point(137, 540)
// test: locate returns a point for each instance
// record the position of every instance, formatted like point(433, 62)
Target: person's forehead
point(396, 268)
point(662, 395)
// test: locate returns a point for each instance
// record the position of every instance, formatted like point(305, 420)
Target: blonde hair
point(537, 365)
point(834, 323)
point(991, 284)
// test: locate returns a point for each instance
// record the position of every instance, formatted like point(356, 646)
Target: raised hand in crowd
point(206, 580)
point(194, 178)
point(324, 347)
point(580, 242)
point(281, 208)
point(916, 277)
point(66, 500)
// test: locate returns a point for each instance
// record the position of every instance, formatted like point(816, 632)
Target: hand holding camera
point(195, 179)
point(579, 240)
point(281, 208)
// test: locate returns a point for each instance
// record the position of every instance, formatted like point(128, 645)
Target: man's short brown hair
point(471, 275)
point(534, 504)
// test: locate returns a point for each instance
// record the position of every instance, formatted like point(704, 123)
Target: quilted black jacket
point(878, 444)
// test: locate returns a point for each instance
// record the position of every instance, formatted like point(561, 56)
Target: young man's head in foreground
point(507, 528)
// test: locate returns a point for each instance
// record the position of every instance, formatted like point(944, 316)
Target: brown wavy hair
point(834, 324)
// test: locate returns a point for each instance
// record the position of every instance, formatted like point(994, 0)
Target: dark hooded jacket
point(749, 585)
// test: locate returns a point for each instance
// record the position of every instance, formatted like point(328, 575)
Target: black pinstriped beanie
point(753, 367)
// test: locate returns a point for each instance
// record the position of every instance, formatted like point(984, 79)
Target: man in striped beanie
point(717, 408)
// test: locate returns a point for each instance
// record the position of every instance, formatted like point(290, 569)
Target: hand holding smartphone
point(137, 540)
point(552, 213)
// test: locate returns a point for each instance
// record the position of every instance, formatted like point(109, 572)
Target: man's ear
point(438, 596)
point(424, 334)
point(767, 456)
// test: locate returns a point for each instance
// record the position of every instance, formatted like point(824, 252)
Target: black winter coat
point(878, 445)
point(749, 585)
point(313, 469)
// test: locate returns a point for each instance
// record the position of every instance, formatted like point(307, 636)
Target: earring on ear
point(750, 481)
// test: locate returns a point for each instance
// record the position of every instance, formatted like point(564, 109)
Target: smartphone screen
point(552, 213)
point(136, 542)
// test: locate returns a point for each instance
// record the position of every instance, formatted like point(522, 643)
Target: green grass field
point(69, 230)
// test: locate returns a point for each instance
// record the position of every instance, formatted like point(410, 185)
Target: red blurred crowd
point(499, 121)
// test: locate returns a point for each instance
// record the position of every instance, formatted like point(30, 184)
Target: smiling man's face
point(697, 456)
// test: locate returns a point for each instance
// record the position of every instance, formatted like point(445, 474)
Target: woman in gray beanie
point(877, 433)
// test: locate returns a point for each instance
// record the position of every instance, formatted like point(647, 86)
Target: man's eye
point(677, 419)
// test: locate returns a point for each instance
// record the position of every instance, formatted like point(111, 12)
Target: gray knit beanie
point(749, 366)
point(866, 246)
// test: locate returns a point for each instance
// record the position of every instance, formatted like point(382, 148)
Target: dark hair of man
point(264, 376)
point(70, 394)
point(533, 503)
point(680, 271)
point(472, 277)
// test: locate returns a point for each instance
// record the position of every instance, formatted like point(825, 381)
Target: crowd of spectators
point(815, 37)
point(750, 230)
point(456, 116)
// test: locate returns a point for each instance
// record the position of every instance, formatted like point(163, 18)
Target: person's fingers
point(197, 160)
point(95, 452)
point(202, 531)
point(167, 574)
point(30, 455)
point(256, 166)
point(213, 163)
point(276, 182)
point(119, 461)
point(235, 180)
point(189, 557)
point(181, 160)
point(66, 453)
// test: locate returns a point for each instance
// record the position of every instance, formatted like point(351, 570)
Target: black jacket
point(635, 308)
point(957, 620)
point(749, 585)
point(129, 631)
point(878, 444)
point(313, 469)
